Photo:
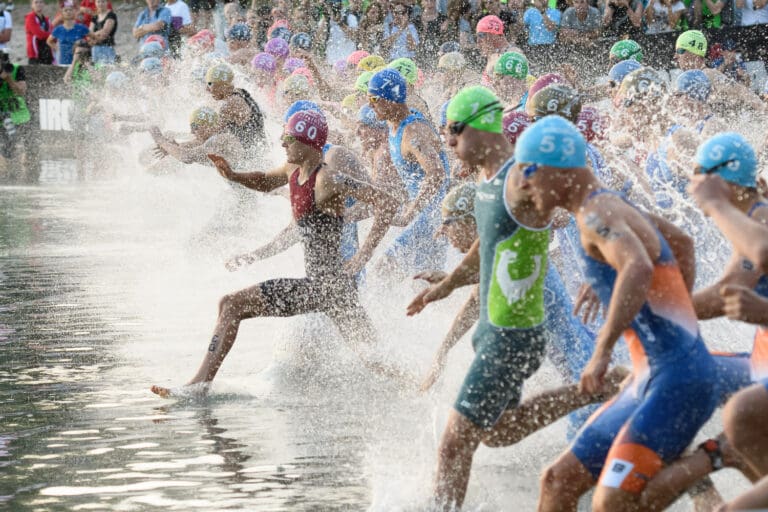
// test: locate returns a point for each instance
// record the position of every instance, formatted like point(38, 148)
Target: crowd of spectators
point(391, 28)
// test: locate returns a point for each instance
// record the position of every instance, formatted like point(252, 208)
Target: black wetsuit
point(326, 288)
point(251, 134)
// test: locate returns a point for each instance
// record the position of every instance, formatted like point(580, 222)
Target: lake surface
point(111, 285)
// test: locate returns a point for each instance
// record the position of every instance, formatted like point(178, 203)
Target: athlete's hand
point(708, 190)
point(587, 303)
point(435, 371)
point(222, 166)
point(431, 276)
point(434, 293)
point(238, 261)
point(354, 265)
point(593, 376)
point(741, 303)
point(159, 153)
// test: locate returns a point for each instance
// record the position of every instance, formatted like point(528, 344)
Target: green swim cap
point(626, 49)
point(407, 68)
point(693, 41)
point(478, 107)
point(512, 64)
point(361, 84)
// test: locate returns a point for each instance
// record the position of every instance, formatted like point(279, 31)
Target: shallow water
point(107, 287)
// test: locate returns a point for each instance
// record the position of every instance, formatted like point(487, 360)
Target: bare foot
point(161, 391)
point(187, 391)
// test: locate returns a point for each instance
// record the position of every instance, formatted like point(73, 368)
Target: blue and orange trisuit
point(673, 389)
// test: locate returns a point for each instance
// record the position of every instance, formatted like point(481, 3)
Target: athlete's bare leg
point(462, 437)
point(541, 410)
point(563, 483)
point(233, 309)
point(454, 461)
point(744, 417)
point(357, 329)
point(754, 499)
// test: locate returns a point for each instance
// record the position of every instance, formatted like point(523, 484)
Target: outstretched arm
point(464, 274)
point(261, 181)
point(284, 240)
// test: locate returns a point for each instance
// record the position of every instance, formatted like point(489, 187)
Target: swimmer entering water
point(318, 193)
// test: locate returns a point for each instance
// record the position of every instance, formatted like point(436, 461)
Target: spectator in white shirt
point(753, 12)
point(6, 25)
point(663, 15)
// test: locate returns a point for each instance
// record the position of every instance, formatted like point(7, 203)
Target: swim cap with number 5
point(308, 127)
point(552, 141)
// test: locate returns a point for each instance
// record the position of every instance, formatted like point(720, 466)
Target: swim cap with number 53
point(552, 141)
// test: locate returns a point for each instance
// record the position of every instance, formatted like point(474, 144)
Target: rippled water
point(107, 287)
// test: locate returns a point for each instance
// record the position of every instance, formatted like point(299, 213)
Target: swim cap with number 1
point(308, 127)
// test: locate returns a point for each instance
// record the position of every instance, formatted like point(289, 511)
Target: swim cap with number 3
point(308, 127)
point(552, 141)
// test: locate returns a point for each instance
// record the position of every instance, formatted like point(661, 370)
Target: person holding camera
point(14, 113)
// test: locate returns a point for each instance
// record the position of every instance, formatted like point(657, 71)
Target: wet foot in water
point(189, 390)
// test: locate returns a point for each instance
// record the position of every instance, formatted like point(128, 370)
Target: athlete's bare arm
point(464, 274)
point(261, 181)
point(465, 319)
point(607, 235)
point(422, 144)
point(749, 236)
point(708, 302)
point(338, 183)
point(284, 240)
point(682, 247)
point(754, 499)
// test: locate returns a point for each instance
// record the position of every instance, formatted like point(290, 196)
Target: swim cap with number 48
point(308, 127)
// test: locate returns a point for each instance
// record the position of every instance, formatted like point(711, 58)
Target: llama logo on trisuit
point(515, 295)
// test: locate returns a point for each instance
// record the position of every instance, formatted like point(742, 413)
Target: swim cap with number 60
point(308, 127)
point(552, 141)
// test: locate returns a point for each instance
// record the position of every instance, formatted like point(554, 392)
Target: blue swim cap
point(239, 32)
point(367, 116)
point(622, 69)
point(694, 83)
point(388, 85)
point(444, 114)
point(298, 106)
point(552, 141)
point(731, 157)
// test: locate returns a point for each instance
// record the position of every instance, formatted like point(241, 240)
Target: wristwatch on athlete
point(712, 448)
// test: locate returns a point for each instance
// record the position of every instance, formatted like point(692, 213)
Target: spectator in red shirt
point(38, 28)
